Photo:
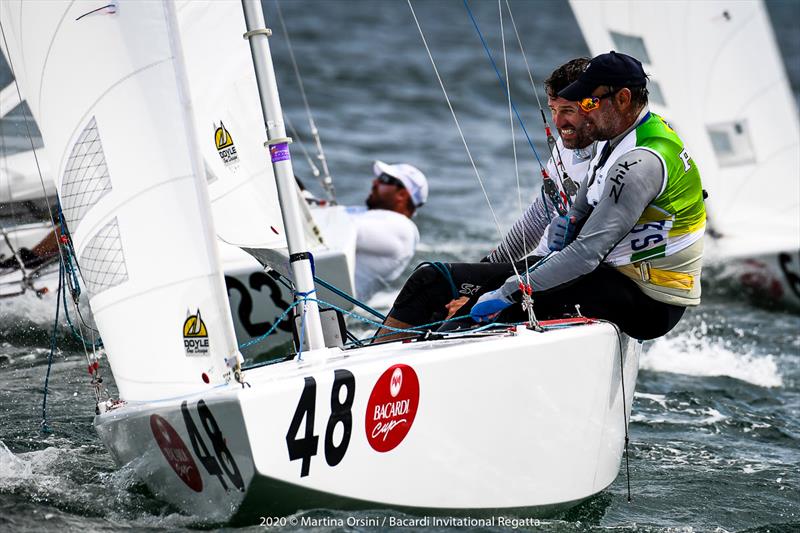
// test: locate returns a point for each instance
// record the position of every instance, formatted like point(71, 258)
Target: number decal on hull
point(306, 446)
point(792, 278)
point(257, 281)
point(222, 463)
point(176, 453)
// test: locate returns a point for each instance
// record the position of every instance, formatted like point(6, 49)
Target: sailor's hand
point(455, 305)
point(561, 232)
point(489, 305)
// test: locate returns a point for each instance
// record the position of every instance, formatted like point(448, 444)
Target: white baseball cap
point(412, 178)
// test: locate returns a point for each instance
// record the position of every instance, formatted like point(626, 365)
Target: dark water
point(716, 423)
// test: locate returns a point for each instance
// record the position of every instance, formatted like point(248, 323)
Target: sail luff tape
point(262, 31)
point(278, 140)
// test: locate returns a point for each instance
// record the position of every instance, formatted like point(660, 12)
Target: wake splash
point(694, 354)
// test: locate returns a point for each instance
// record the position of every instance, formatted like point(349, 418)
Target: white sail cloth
point(716, 75)
point(108, 91)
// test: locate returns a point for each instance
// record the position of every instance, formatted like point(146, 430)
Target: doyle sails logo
point(225, 146)
point(176, 453)
point(392, 408)
point(195, 334)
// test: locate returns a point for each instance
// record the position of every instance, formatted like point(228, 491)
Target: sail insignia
point(195, 334)
point(86, 179)
point(102, 261)
point(225, 147)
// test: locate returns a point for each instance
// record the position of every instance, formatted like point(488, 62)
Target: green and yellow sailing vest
point(663, 251)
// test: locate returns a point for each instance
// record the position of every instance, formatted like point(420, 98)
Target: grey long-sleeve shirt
point(607, 223)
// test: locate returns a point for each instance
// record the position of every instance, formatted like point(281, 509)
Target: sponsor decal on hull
point(176, 453)
point(392, 407)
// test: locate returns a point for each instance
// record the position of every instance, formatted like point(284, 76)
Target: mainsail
point(115, 115)
point(716, 75)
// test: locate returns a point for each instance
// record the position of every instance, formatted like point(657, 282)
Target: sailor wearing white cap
point(387, 237)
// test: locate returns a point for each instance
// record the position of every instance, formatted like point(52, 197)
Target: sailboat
point(237, 184)
point(717, 77)
point(522, 419)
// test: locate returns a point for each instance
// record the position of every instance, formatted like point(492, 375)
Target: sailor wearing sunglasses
point(630, 248)
point(386, 236)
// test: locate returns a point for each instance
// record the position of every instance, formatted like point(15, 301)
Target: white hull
point(524, 424)
point(770, 277)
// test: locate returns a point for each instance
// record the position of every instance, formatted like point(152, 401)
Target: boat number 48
point(221, 463)
point(305, 447)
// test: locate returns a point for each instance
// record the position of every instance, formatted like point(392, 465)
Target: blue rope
point(349, 298)
point(302, 329)
point(44, 426)
point(272, 328)
point(503, 83)
point(445, 272)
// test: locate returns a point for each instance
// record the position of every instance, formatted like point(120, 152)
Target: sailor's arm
point(614, 216)
point(524, 235)
point(632, 183)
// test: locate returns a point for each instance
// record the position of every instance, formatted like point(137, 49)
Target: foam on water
point(698, 355)
point(29, 307)
point(17, 470)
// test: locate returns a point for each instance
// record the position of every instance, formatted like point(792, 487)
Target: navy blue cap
point(617, 70)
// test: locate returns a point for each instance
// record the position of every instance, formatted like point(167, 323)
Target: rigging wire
point(552, 189)
point(566, 182)
point(296, 138)
point(513, 139)
point(504, 85)
point(61, 249)
point(461, 133)
point(327, 180)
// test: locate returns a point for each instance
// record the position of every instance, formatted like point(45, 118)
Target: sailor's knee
point(421, 281)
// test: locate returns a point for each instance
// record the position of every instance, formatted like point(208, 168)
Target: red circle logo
point(176, 453)
point(392, 407)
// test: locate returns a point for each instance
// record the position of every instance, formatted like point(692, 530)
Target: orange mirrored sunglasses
point(592, 103)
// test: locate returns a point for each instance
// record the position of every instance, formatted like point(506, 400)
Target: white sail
point(115, 118)
point(716, 75)
point(231, 134)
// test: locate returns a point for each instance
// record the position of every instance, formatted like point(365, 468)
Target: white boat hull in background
point(525, 424)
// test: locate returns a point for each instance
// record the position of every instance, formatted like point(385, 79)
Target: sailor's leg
point(607, 294)
point(428, 294)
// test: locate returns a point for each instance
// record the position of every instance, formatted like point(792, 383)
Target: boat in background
point(515, 419)
point(717, 76)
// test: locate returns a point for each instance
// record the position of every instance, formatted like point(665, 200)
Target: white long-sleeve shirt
point(385, 244)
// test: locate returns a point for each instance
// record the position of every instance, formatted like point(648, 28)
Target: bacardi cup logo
point(176, 453)
point(392, 408)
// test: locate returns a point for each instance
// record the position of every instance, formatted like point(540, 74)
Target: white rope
point(460, 131)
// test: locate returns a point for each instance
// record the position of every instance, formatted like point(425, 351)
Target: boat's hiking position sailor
point(630, 248)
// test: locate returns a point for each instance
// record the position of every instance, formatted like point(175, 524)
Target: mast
point(299, 257)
